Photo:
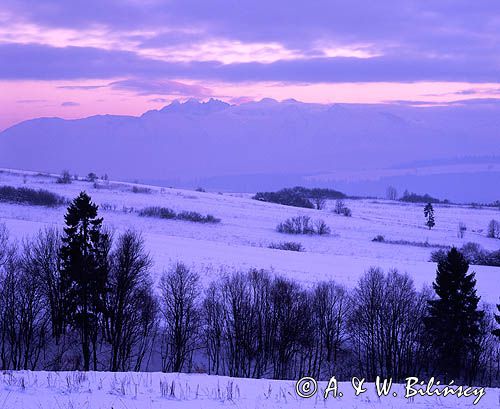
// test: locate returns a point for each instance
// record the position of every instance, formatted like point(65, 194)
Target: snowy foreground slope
point(247, 228)
point(104, 390)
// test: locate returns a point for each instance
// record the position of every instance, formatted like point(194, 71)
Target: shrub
point(424, 244)
point(346, 212)
point(139, 189)
point(65, 178)
point(342, 209)
point(91, 177)
point(197, 217)
point(26, 195)
point(416, 198)
point(473, 253)
point(321, 227)
point(160, 212)
point(300, 197)
point(287, 245)
point(296, 225)
point(166, 213)
point(494, 229)
point(107, 206)
point(462, 228)
point(287, 197)
point(303, 225)
point(320, 192)
point(439, 255)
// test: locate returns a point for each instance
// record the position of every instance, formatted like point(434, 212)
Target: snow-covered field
point(104, 390)
point(241, 240)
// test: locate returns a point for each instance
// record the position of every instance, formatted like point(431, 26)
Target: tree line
point(84, 299)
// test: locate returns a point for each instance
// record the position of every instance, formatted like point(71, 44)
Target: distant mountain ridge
point(202, 140)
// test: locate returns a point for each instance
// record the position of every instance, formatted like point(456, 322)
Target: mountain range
point(267, 144)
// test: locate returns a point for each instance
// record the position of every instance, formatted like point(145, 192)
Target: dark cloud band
point(40, 62)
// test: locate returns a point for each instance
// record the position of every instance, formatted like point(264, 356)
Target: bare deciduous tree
point(391, 193)
point(25, 318)
point(130, 312)
point(387, 325)
point(41, 258)
point(179, 303)
point(330, 311)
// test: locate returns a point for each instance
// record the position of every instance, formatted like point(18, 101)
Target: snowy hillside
point(247, 228)
point(240, 241)
point(264, 141)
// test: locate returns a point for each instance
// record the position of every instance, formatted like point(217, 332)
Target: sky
point(84, 57)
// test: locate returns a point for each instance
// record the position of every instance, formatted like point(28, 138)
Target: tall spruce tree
point(496, 331)
point(453, 320)
point(84, 272)
point(429, 216)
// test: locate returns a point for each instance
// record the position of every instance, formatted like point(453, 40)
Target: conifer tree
point(453, 320)
point(84, 272)
point(496, 331)
point(429, 215)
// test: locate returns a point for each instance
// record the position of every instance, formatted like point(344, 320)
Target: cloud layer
point(181, 48)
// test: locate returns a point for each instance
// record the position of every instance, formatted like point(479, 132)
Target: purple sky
point(77, 58)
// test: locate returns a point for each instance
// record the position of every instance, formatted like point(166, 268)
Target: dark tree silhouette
point(453, 320)
point(496, 331)
point(180, 308)
point(429, 216)
point(131, 308)
point(84, 271)
point(41, 259)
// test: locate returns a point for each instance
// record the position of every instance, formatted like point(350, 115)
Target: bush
point(439, 255)
point(287, 197)
point(160, 212)
point(411, 197)
point(342, 209)
point(494, 229)
point(91, 177)
point(320, 192)
point(65, 178)
point(462, 228)
point(34, 197)
point(287, 245)
point(300, 197)
point(296, 225)
point(166, 213)
point(139, 189)
point(303, 225)
point(381, 239)
point(197, 217)
point(346, 212)
point(473, 253)
point(424, 244)
point(321, 227)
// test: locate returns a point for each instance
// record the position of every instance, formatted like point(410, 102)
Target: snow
point(247, 228)
point(240, 242)
point(104, 390)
